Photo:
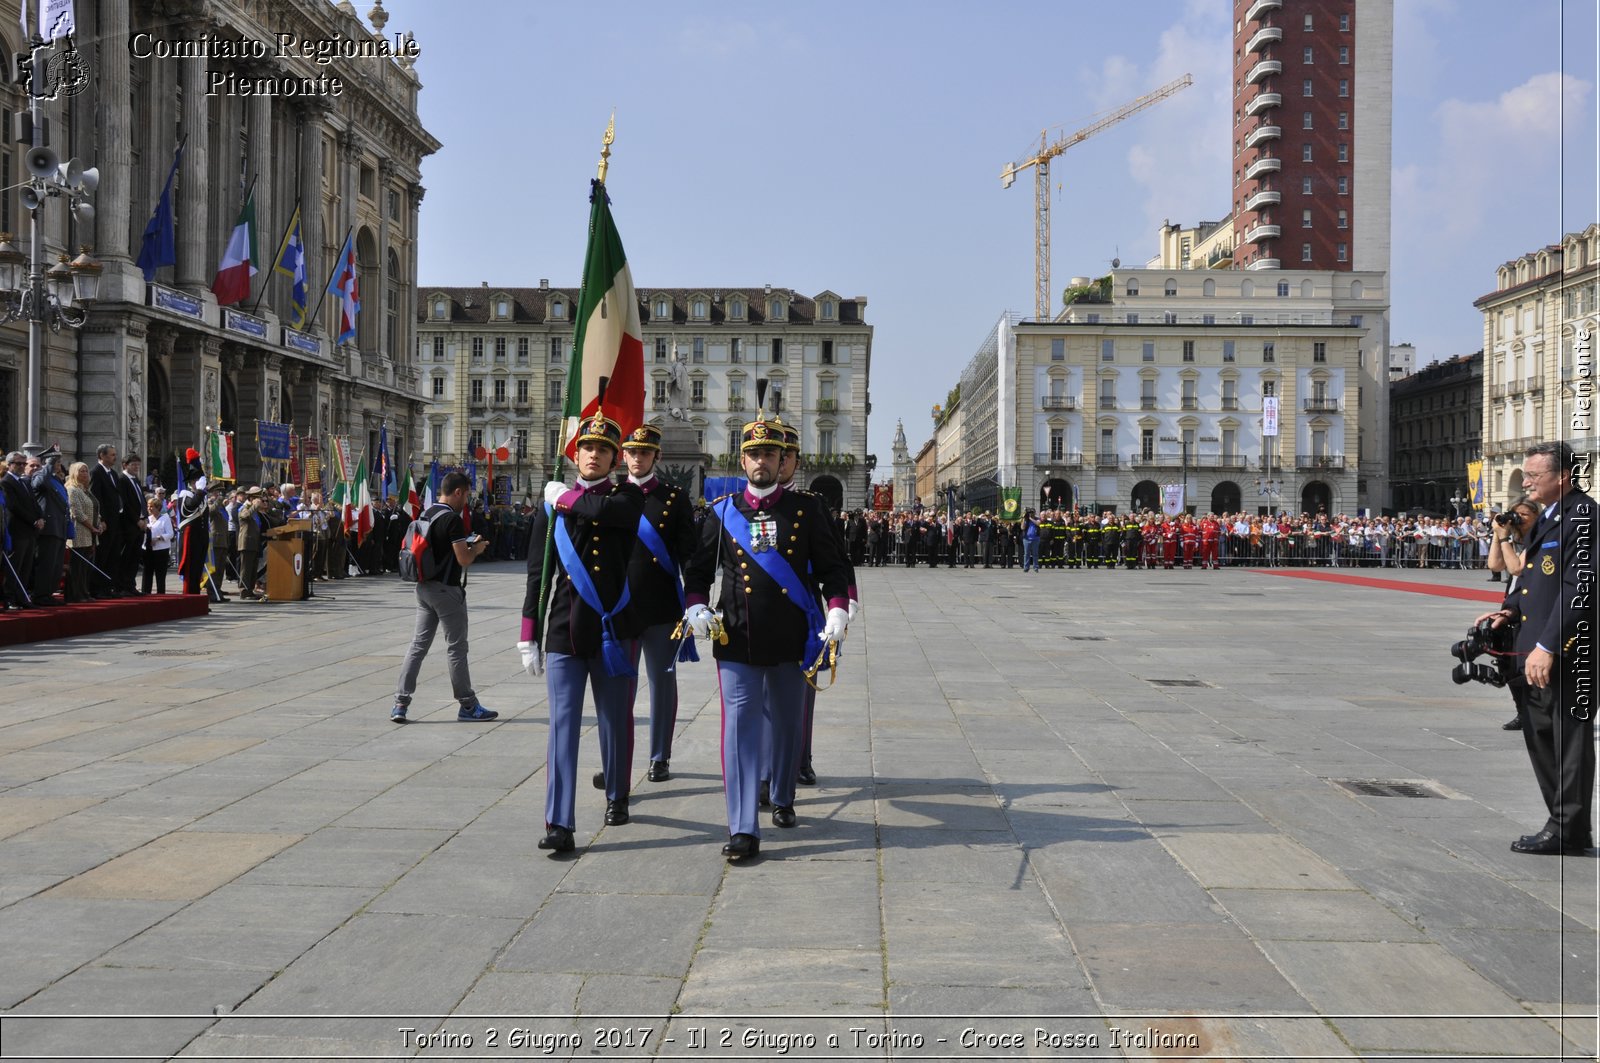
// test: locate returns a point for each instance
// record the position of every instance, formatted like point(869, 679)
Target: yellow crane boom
point(1040, 161)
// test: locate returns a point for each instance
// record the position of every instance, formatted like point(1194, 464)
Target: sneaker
point(476, 712)
point(398, 713)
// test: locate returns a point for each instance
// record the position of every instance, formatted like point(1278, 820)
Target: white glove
point(553, 492)
point(855, 609)
point(532, 658)
point(699, 618)
point(834, 629)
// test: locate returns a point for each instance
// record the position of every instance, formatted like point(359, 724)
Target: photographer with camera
point(1551, 606)
point(1507, 544)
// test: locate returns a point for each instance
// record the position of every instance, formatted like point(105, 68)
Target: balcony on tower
point(1263, 69)
point(1261, 7)
point(1260, 133)
point(1262, 166)
point(1263, 101)
point(1257, 233)
point(1267, 197)
point(1262, 37)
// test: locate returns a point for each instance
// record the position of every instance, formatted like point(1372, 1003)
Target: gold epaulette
point(719, 498)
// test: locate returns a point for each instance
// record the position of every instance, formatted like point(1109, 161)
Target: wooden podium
point(287, 558)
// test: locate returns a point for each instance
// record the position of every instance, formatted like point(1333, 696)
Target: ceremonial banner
point(340, 465)
point(272, 440)
point(311, 459)
point(294, 459)
point(882, 497)
point(1172, 499)
point(1476, 486)
point(1269, 415)
point(218, 458)
point(1011, 503)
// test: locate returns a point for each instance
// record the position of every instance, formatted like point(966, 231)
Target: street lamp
point(1457, 500)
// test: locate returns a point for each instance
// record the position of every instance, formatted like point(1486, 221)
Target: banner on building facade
point(1172, 499)
point(1269, 415)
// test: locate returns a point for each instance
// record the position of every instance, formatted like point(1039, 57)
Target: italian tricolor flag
point(238, 258)
point(609, 342)
point(219, 456)
point(357, 500)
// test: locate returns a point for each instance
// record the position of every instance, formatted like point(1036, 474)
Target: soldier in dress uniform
point(194, 525)
point(666, 541)
point(590, 620)
point(773, 548)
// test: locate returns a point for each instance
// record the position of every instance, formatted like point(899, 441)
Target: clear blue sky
point(857, 147)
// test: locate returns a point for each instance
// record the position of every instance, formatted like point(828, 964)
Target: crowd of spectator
point(1074, 539)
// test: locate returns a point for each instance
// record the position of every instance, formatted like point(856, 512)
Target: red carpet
point(1471, 594)
point(86, 618)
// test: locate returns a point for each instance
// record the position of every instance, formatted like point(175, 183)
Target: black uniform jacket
point(655, 594)
point(764, 626)
point(1554, 599)
point(604, 524)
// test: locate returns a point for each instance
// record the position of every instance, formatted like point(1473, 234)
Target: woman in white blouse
point(157, 546)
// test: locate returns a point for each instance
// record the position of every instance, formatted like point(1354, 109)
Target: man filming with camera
point(1552, 606)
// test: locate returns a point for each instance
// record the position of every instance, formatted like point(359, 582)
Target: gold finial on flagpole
point(605, 145)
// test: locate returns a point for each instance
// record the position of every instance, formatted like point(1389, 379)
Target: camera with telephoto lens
point(1511, 518)
point(1484, 638)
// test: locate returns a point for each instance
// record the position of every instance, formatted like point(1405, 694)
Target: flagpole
point(598, 189)
point(312, 319)
point(294, 216)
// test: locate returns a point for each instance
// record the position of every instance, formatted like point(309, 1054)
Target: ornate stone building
point(1437, 428)
point(494, 364)
point(157, 362)
point(1538, 349)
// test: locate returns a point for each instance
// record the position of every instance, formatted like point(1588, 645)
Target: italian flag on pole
point(239, 258)
point(609, 342)
point(219, 455)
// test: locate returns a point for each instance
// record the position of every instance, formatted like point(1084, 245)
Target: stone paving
point(1065, 815)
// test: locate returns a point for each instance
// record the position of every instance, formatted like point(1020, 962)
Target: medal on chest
point(763, 532)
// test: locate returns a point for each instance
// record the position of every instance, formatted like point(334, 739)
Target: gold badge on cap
point(758, 432)
point(641, 434)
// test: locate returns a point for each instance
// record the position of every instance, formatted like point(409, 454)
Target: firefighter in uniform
point(590, 622)
point(1089, 525)
point(1131, 540)
point(773, 548)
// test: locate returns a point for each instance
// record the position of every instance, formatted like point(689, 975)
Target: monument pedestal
point(682, 463)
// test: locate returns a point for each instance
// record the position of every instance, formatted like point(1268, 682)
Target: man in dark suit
point(25, 522)
point(103, 486)
point(1552, 605)
point(130, 489)
point(51, 551)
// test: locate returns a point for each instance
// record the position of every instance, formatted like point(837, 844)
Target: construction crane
point(1040, 161)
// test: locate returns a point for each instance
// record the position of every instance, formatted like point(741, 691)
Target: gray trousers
point(439, 604)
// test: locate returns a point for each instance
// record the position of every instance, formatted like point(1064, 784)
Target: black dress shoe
point(557, 840)
point(659, 771)
point(764, 795)
point(1548, 843)
point(783, 816)
point(741, 847)
point(617, 812)
point(807, 776)
point(599, 780)
point(1513, 724)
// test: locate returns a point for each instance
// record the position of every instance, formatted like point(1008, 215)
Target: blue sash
point(615, 656)
point(658, 547)
point(783, 573)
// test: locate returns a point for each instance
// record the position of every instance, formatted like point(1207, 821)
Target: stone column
point(193, 271)
point(389, 352)
point(195, 377)
point(114, 135)
point(311, 201)
point(270, 214)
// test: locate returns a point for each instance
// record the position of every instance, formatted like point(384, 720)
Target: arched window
point(1209, 289)
point(697, 309)
point(736, 308)
point(661, 307)
point(776, 312)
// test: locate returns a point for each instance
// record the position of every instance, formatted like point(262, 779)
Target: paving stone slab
point(1206, 967)
point(183, 865)
point(609, 934)
point(1315, 915)
point(339, 856)
point(1253, 861)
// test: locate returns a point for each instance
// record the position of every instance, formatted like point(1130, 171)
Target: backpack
point(416, 562)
